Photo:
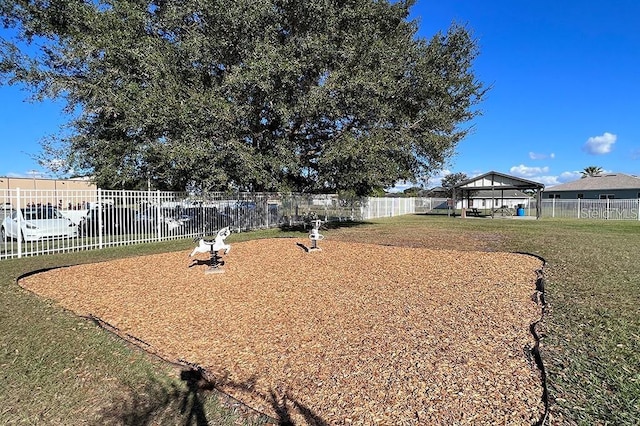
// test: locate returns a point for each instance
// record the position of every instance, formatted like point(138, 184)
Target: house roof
point(497, 181)
point(610, 181)
point(436, 190)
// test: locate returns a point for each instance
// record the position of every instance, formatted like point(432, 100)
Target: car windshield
point(37, 214)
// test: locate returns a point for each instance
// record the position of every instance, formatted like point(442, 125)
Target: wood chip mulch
point(353, 334)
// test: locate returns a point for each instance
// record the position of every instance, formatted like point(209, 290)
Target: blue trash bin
point(520, 211)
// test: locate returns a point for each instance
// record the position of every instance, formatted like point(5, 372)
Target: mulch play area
point(353, 334)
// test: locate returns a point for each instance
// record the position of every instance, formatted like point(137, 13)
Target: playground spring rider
point(213, 247)
point(315, 235)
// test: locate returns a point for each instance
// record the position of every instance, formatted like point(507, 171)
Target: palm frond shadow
point(280, 401)
point(170, 403)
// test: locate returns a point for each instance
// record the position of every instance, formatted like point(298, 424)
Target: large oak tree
point(260, 95)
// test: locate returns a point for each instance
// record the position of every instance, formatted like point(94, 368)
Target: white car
point(37, 223)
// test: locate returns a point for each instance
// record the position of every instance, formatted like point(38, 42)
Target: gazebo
point(497, 182)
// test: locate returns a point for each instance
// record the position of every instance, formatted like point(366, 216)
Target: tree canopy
point(260, 95)
point(451, 180)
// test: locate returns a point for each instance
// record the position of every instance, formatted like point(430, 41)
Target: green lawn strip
point(591, 348)
point(593, 342)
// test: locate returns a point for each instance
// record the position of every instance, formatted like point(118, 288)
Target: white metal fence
point(49, 221)
point(375, 207)
point(609, 209)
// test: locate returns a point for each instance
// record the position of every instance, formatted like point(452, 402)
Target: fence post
point(266, 209)
point(158, 219)
point(101, 208)
point(19, 237)
point(578, 208)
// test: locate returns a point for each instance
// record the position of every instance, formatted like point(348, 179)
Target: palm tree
point(591, 171)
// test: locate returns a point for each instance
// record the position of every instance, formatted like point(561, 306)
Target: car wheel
point(3, 234)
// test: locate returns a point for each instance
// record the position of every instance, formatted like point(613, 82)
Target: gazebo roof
point(496, 180)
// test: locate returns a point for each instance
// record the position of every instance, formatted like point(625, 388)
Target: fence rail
point(609, 209)
point(37, 222)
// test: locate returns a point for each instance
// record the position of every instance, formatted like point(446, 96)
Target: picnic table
point(504, 211)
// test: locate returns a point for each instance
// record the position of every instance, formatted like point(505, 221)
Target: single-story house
point(604, 186)
point(435, 192)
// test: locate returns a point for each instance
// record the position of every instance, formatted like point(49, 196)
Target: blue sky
point(565, 95)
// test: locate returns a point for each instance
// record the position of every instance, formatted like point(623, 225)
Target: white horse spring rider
point(315, 235)
point(205, 246)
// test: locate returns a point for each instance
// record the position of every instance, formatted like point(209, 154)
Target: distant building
point(604, 186)
point(63, 193)
point(46, 184)
point(436, 192)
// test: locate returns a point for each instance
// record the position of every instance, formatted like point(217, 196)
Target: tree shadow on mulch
point(280, 401)
point(161, 403)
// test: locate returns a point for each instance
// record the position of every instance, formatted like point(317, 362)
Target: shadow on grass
point(438, 213)
point(170, 403)
point(164, 403)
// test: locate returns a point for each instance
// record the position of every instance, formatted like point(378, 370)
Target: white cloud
point(400, 187)
point(600, 145)
point(564, 177)
point(548, 180)
point(436, 180)
point(525, 171)
point(539, 156)
point(432, 182)
point(569, 176)
point(30, 174)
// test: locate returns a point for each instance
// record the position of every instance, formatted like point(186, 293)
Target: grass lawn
point(57, 368)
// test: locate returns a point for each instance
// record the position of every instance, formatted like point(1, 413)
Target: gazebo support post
point(453, 201)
